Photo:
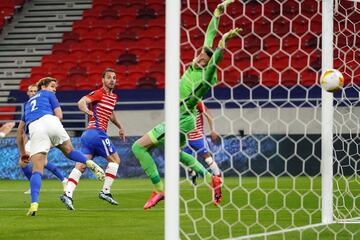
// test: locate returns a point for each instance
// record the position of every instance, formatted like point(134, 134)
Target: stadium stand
point(111, 34)
point(131, 34)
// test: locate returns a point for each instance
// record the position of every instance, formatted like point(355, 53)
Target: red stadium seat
point(289, 78)
point(270, 78)
point(146, 82)
point(61, 49)
point(70, 37)
point(7, 109)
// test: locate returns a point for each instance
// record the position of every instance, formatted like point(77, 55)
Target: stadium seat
point(7, 109)
point(127, 58)
point(61, 49)
point(290, 43)
point(146, 12)
point(230, 76)
point(281, 26)
point(146, 82)
point(242, 60)
point(300, 25)
point(299, 60)
point(271, 9)
point(262, 26)
point(70, 37)
point(308, 77)
point(270, 78)
point(289, 78)
point(271, 44)
point(280, 60)
point(251, 78)
point(291, 9)
point(261, 61)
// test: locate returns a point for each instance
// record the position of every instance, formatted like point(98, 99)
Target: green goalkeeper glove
point(230, 34)
point(221, 7)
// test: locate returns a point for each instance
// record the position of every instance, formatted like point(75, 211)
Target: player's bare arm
point(20, 136)
point(58, 113)
point(83, 105)
point(119, 125)
point(210, 120)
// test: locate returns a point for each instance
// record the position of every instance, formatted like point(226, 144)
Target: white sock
point(213, 166)
point(110, 175)
point(73, 180)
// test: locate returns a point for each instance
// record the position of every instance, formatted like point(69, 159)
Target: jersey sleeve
point(94, 96)
point(211, 32)
point(201, 107)
point(54, 102)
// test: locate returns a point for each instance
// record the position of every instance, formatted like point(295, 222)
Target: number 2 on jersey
point(33, 105)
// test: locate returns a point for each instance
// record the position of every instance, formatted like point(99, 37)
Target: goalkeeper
point(194, 84)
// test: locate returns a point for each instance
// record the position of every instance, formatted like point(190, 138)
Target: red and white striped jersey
point(102, 105)
point(198, 132)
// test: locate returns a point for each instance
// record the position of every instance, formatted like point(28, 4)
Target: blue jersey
point(42, 103)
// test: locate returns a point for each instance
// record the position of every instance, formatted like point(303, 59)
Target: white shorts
point(27, 146)
point(46, 132)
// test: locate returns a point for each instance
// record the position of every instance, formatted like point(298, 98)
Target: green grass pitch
point(244, 209)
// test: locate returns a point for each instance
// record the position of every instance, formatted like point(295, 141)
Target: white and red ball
point(332, 80)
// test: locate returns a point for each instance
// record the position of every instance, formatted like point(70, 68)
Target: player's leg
point(215, 181)
point(87, 148)
point(73, 180)
point(110, 175)
point(61, 140)
point(191, 173)
point(202, 150)
point(56, 171)
point(26, 168)
point(67, 148)
point(39, 147)
point(38, 161)
point(186, 124)
point(141, 151)
point(24, 164)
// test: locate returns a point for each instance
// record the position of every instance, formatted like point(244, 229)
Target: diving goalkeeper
point(194, 84)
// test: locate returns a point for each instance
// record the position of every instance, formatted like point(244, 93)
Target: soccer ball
point(332, 80)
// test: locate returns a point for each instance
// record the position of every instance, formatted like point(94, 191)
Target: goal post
point(327, 115)
point(172, 72)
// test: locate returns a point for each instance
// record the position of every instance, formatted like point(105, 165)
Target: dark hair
point(108, 70)
point(208, 51)
point(45, 82)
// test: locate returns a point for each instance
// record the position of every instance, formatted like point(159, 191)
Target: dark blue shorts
point(200, 146)
point(96, 143)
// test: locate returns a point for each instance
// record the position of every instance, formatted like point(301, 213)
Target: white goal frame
point(172, 122)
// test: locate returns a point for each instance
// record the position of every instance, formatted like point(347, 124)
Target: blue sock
point(52, 168)
point(27, 171)
point(35, 185)
point(77, 156)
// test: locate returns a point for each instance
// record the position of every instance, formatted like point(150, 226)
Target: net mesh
point(267, 109)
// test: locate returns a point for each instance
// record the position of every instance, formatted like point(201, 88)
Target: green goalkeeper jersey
point(195, 82)
point(190, 83)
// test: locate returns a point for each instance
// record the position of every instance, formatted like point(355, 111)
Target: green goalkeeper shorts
point(187, 124)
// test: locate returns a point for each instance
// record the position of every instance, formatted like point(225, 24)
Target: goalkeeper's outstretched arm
point(208, 80)
point(214, 24)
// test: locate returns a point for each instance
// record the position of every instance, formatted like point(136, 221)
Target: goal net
point(347, 113)
point(267, 111)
